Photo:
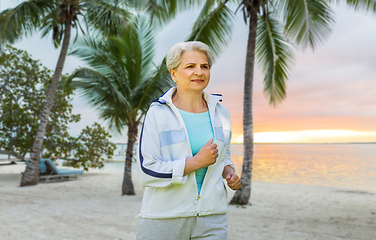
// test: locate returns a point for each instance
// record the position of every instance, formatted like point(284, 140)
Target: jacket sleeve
point(224, 114)
point(153, 170)
point(228, 154)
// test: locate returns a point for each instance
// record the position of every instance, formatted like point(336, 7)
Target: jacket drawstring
point(135, 219)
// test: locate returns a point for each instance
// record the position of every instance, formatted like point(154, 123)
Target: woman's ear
point(173, 75)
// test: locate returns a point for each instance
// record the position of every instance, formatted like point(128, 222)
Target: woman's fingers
point(233, 181)
point(209, 153)
point(215, 152)
point(209, 142)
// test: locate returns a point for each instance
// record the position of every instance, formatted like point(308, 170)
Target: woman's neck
point(190, 102)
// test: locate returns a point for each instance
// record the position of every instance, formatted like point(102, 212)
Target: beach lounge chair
point(49, 172)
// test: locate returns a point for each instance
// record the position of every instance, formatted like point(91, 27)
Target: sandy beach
point(92, 208)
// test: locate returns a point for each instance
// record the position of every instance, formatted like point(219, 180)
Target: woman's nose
point(198, 72)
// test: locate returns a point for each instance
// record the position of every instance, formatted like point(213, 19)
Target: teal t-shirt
point(200, 131)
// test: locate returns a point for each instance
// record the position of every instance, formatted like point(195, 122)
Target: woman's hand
point(233, 180)
point(206, 156)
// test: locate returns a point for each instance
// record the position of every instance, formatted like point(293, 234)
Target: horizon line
point(290, 143)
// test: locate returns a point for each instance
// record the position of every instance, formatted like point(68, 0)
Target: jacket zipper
point(196, 200)
point(174, 109)
point(209, 167)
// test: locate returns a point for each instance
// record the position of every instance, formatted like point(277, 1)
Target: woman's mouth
point(197, 80)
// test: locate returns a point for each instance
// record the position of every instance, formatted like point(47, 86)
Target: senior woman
point(184, 154)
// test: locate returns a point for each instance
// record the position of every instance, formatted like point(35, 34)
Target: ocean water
point(339, 165)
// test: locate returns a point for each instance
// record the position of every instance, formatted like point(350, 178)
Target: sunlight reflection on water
point(339, 165)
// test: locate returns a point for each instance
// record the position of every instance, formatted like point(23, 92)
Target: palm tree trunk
point(31, 174)
point(243, 195)
point(127, 188)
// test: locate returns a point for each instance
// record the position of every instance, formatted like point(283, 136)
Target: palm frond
point(102, 94)
point(358, 5)
point(275, 57)
point(208, 5)
point(214, 28)
point(114, 117)
point(96, 52)
point(107, 16)
point(136, 50)
point(147, 42)
point(162, 11)
point(96, 86)
point(308, 22)
point(368, 5)
point(23, 19)
point(104, 57)
point(152, 87)
point(51, 24)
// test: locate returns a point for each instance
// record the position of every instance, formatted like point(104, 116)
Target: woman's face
point(193, 72)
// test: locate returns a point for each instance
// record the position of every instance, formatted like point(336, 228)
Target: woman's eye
point(205, 66)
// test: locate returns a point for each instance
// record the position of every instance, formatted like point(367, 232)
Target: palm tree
point(57, 17)
point(274, 27)
point(122, 80)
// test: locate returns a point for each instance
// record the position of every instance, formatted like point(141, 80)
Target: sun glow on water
point(311, 136)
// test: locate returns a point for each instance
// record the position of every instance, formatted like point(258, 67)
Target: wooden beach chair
point(48, 172)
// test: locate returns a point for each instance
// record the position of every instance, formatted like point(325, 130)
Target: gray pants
point(206, 227)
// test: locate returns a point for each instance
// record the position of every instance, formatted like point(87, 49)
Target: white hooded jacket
point(164, 146)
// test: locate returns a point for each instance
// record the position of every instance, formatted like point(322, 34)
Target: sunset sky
point(331, 93)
